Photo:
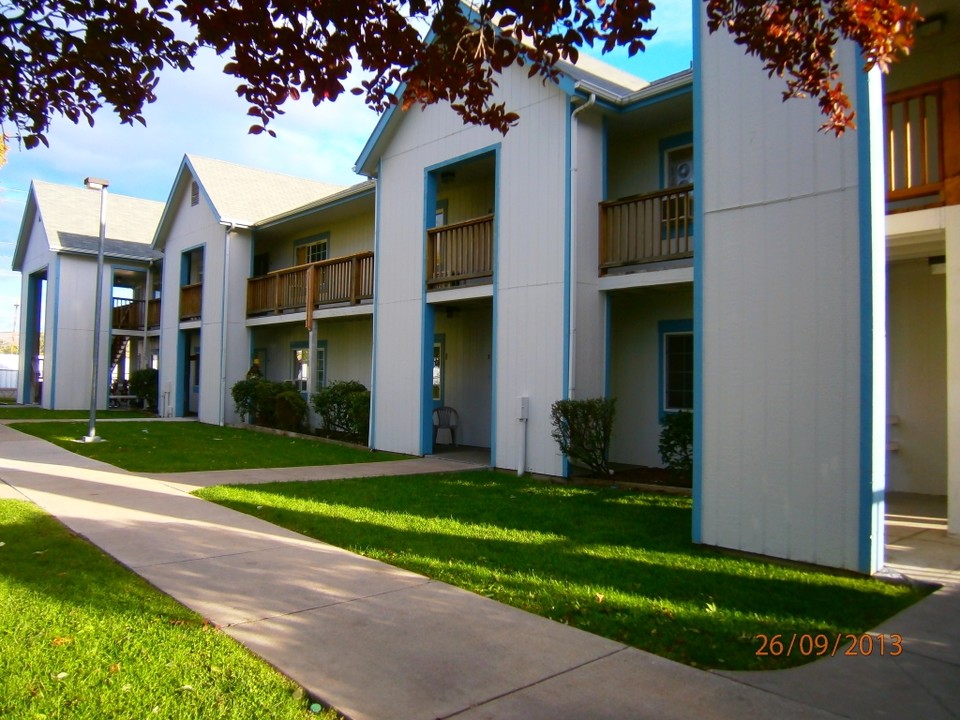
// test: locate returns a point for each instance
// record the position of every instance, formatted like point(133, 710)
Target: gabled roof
point(605, 79)
point(238, 194)
point(71, 221)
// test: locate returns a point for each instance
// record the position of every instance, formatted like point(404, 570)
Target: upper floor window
point(312, 250)
point(679, 166)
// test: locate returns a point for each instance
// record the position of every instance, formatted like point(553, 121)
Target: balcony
point(922, 126)
point(343, 280)
point(190, 301)
point(129, 314)
point(648, 228)
point(460, 254)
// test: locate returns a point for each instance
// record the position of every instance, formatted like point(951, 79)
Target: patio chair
point(445, 418)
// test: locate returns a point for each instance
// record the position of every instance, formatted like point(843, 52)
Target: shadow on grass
point(42, 555)
point(617, 564)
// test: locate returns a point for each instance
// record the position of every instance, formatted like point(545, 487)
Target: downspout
point(572, 351)
point(223, 324)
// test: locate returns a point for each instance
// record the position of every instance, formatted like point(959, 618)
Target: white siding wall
point(918, 378)
point(468, 343)
point(781, 319)
point(634, 160)
point(588, 357)
point(224, 356)
point(528, 316)
point(68, 364)
point(347, 237)
point(635, 368)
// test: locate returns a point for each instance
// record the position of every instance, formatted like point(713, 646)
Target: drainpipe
point(523, 416)
point(572, 352)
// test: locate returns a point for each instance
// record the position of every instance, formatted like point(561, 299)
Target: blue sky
point(199, 113)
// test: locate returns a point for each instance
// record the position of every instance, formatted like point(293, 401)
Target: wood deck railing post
point(951, 140)
point(354, 280)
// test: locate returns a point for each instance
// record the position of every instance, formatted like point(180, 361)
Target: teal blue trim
point(567, 259)
point(30, 331)
point(671, 143)
point(314, 209)
point(698, 258)
point(427, 321)
point(51, 354)
point(183, 367)
point(664, 328)
point(871, 510)
point(496, 305)
point(372, 440)
point(385, 120)
point(651, 100)
point(436, 167)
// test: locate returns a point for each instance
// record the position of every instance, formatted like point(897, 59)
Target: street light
point(101, 185)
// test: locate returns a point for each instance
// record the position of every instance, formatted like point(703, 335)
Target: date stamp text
point(820, 644)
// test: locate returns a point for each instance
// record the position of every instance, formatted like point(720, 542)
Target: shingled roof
point(71, 221)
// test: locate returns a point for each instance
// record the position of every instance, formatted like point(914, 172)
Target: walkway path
point(375, 641)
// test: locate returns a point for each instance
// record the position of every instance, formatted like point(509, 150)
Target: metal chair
point(445, 418)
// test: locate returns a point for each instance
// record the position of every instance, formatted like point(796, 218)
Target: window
point(301, 368)
point(311, 250)
point(679, 166)
point(321, 380)
point(676, 365)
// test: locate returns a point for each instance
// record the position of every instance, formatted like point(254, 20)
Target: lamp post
point(101, 185)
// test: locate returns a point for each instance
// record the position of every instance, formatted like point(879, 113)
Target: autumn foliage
point(73, 57)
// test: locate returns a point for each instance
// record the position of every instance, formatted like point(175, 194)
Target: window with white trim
point(321, 365)
point(312, 251)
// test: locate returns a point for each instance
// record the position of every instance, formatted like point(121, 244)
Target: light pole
point(101, 185)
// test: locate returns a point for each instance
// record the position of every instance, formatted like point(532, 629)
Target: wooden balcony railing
point(922, 126)
point(153, 313)
point(460, 253)
point(128, 313)
point(190, 301)
point(347, 279)
point(646, 228)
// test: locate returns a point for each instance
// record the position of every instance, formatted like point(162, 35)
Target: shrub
point(676, 443)
point(290, 409)
point(582, 430)
point(344, 407)
point(145, 384)
point(244, 394)
point(256, 399)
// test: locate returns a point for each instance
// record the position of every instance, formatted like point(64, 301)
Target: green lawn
point(83, 638)
point(159, 447)
point(613, 562)
point(19, 412)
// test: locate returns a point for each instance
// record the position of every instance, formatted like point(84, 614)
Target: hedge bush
point(344, 409)
point(582, 429)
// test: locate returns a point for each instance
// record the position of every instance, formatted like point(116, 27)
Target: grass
point(81, 637)
point(20, 412)
point(160, 447)
point(612, 562)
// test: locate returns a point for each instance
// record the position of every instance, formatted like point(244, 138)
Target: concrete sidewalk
point(374, 641)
